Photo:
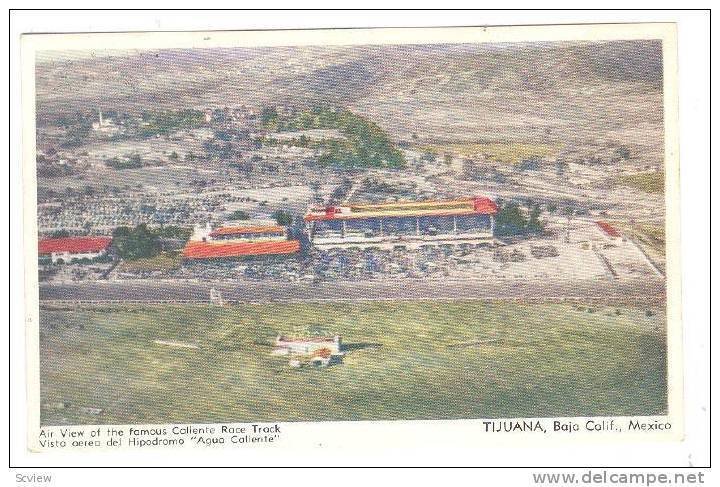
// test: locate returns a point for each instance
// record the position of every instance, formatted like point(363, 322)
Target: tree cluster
point(365, 143)
point(142, 241)
point(512, 219)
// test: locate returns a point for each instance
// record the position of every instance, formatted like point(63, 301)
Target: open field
point(510, 152)
point(161, 262)
point(405, 360)
point(650, 182)
point(650, 236)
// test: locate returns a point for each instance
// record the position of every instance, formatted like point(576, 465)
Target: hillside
point(577, 94)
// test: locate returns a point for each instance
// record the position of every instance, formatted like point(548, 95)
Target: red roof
point(484, 205)
point(608, 229)
point(266, 229)
point(195, 249)
point(74, 245)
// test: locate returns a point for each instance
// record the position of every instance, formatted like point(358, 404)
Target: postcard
point(237, 239)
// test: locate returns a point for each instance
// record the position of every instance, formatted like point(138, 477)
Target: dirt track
point(253, 291)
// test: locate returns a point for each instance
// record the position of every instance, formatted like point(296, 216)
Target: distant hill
point(576, 93)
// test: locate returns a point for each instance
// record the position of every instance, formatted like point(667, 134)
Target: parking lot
point(575, 250)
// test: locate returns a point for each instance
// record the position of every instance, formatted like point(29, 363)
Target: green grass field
point(650, 182)
point(505, 152)
point(406, 360)
point(161, 262)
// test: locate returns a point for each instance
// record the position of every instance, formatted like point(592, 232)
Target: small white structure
point(201, 233)
point(105, 125)
point(216, 297)
point(318, 351)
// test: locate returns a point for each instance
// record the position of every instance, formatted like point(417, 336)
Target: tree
point(534, 225)
point(283, 218)
point(621, 153)
point(239, 215)
point(136, 243)
point(135, 160)
point(365, 143)
point(560, 167)
point(429, 156)
point(511, 220)
point(269, 117)
point(62, 233)
point(530, 164)
point(131, 161)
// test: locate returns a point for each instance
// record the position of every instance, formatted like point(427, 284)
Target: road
point(266, 291)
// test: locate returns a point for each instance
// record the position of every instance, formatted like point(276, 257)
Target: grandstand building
point(239, 242)
point(411, 224)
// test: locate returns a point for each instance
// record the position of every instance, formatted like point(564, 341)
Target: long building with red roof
point(68, 249)
point(235, 242)
point(234, 249)
point(415, 223)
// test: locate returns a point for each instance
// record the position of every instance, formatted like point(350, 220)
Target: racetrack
point(149, 291)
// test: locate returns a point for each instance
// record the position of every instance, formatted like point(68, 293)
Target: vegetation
point(77, 128)
point(135, 243)
point(283, 218)
point(162, 262)
point(143, 242)
point(529, 164)
point(239, 215)
point(507, 152)
point(405, 360)
point(653, 235)
point(62, 233)
point(173, 231)
point(365, 143)
point(620, 154)
point(650, 182)
point(511, 219)
point(131, 161)
point(561, 167)
point(650, 237)
point(168, 121)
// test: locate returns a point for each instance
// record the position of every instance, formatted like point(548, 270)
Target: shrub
point(283, 218)
point(239, 215)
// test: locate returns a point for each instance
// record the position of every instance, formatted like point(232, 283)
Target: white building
point(70, 249)
point(105, 125)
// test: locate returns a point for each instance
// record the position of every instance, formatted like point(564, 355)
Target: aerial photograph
point(351, 233)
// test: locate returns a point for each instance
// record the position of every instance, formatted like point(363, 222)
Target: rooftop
point(211, 250)
point(464, 206)
point(608, 229)
point(73, 245)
